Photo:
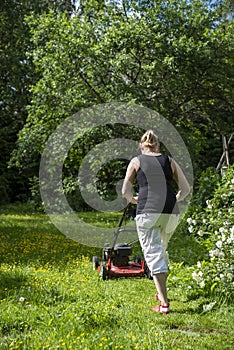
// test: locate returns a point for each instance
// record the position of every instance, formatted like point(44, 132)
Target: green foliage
point(171, 56)
point(214, 227)
point(17, 75)
point(204, 188)
point(108, 175)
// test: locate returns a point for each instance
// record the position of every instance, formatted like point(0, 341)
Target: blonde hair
point(149, 139)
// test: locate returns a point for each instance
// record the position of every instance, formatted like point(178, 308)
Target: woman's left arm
point(128, 181)
point(180, 179)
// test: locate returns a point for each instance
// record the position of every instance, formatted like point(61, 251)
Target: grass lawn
point(50, 298)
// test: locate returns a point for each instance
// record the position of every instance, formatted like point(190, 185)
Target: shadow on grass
point(185, 248)
point(33, 237)
point(11, 280)
point(189, 310)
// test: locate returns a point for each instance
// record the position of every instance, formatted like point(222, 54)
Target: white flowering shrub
point(204, 190)
point(214, 227)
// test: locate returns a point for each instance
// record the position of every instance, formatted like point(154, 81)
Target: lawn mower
point(116, 262)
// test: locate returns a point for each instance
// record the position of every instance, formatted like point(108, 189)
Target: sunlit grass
point(50, 298)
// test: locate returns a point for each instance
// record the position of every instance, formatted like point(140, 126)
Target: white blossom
point(223, 237)
point(216, 253)
point(221, 255)
point(202, 284)
point(219, 244)
point(195, 276)
point(212, 253)
point(190, 229)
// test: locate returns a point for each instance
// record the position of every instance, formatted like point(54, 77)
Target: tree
point(17, 75)
point(174, 57)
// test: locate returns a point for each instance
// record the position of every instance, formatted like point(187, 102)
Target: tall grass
point(50, 298)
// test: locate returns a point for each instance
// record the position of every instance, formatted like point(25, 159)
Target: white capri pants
point(154, 231)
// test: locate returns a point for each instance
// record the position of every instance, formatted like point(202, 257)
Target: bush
point(214, 229)
point(204, 190)
point(71, 191)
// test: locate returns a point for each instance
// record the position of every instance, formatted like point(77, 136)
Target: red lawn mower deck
point(116, 262)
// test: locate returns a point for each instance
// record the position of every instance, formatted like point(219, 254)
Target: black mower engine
point(119, 255)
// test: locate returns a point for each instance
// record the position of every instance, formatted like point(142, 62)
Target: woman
point(157, 208)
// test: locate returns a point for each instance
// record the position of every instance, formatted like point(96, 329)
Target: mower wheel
point(95, 262)
point(103, 272)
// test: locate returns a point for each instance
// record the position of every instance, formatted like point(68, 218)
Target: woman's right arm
point(129, 177)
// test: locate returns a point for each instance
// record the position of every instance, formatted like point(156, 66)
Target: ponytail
point(149, 139)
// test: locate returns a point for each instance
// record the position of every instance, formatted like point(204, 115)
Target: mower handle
point(124, 214)
point(116, 234)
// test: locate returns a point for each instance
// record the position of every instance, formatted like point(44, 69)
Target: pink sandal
point(163, 309)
